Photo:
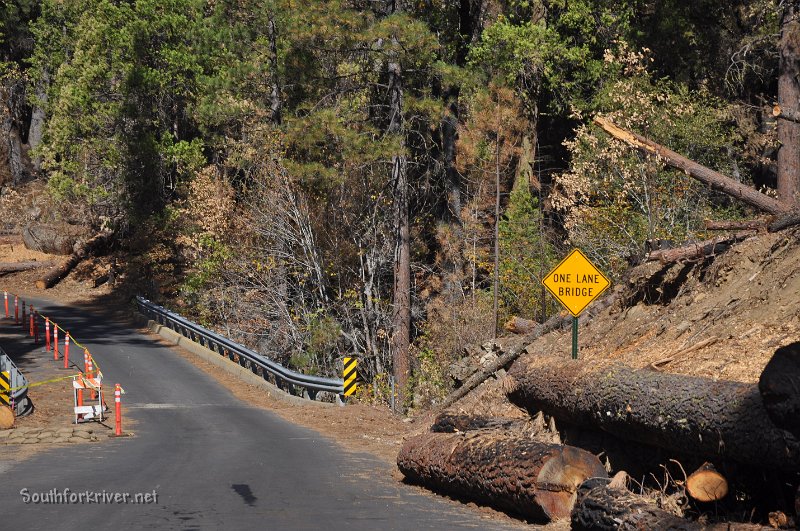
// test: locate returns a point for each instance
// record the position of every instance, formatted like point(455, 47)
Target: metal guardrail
point(283, 378)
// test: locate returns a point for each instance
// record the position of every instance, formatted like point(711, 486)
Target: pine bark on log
point(536, 480)
point(779, 386)
point(683, 414)
point(698, 250)
point(601, 507)
point(712, 178)
point(56, 274)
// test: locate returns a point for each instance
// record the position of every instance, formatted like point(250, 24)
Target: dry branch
point(698, 250)
point(55, 275)
point(511, 472)
point(683, 414)
point(703, 174)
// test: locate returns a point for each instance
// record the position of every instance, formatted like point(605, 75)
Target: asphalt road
point(214, 461)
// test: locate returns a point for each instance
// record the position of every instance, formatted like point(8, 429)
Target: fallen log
point(706, 484)
point(10, 239)
point(687, 415)
point(779, 386)
point(697, 250)
point(603, 507)
point(750, 224)
point(56, 274)
point(536, 480)
point(15, 267)
point(52, 239)
point(712, 178)
point(519, 325)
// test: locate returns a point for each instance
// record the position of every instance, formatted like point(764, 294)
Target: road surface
point(213, 461)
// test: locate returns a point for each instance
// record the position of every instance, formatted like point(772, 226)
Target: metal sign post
point(576, 282)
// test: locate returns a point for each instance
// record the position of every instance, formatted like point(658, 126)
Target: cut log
point(99, 281)
point(510, 472)
point(779, 385)
point(712, 178)
point(55, 275)
point(698, 250)
point(15, 267)
point(785, 114)
point(602, 507)
point(52, 239)
point(706, 484)
point(686, 415)
point(518, 325)
point(750, 224)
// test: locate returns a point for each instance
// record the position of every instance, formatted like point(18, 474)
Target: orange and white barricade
point(84, 412)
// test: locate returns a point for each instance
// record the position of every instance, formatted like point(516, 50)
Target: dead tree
point(698, 250)
point(536, 480)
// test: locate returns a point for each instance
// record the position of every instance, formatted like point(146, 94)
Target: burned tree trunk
point(712, 178)
point(780, 388)
point(451, 423)
point(536, 480)
point(750, 224)
point(683, 414)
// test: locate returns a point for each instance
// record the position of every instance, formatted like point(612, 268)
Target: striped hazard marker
point(5, 386)
point(349, 375)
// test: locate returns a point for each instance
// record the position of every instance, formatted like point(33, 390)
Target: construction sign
point(5, 388)
point(576, 282)
point(349, 375)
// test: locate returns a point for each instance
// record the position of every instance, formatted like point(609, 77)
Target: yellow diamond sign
point(576, 282)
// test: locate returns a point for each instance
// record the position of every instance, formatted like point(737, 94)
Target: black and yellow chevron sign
point(5, 385)
point(349, 375)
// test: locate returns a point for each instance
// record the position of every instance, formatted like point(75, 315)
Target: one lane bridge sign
point(576, 282)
